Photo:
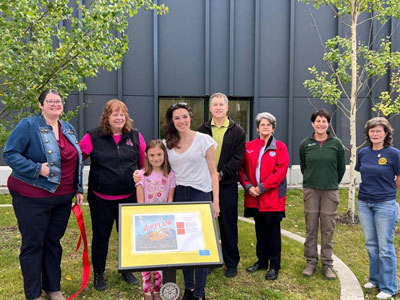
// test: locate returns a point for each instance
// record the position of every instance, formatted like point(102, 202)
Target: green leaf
point(38, 50)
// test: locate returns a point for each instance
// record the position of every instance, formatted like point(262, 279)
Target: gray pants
point(320, 206)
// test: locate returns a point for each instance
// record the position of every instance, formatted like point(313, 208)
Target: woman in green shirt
point(322, 162)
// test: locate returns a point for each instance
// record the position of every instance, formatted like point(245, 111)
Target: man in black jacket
point(231, 140)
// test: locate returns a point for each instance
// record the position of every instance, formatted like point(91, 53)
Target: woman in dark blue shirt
point(379, 165)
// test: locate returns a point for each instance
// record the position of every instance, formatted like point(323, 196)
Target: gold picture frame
point(168, 235)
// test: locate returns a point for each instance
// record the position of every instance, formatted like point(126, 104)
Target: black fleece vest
point(112, 165)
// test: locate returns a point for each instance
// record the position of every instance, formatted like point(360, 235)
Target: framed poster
point(167, 235)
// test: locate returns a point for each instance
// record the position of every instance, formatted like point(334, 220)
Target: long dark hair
point(171, 134)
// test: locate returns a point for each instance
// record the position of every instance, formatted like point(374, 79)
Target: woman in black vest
point(116, 150)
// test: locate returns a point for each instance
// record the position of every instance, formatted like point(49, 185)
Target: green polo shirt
point(218, 135)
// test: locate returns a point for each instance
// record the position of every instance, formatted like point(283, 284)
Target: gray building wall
point(244, 48)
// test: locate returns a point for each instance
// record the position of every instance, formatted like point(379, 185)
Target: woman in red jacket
point(263, 176)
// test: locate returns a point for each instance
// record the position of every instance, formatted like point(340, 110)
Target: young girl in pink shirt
point(156, 186)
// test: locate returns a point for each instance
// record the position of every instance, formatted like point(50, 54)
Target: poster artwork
point(155, 233)
point(166, 233)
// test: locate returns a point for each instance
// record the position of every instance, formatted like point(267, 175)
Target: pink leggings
point(146, 278)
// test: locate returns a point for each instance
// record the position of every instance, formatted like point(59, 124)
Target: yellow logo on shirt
point(382, 161)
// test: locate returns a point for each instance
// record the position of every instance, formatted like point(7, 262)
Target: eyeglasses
point(54, 102)
point(376, 131)
point(179, 105)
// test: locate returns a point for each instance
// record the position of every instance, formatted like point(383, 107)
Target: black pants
point(42, 223)
point(228, 218)
point(269, 246)
point(103, 213)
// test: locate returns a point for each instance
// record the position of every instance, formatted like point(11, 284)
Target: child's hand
point(136, 176)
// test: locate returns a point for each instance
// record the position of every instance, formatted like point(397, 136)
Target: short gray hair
point(266, 115)
point(219, 95)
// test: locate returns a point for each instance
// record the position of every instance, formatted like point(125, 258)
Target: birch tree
point(355, 66)
point(56, 44)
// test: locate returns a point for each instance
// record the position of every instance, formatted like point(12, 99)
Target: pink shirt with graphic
point(156, 187)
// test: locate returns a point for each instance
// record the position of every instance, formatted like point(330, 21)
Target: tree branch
point(29, 28)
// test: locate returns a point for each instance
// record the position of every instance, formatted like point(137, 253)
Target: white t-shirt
point(191, 167)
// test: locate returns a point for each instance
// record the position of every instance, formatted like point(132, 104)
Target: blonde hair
point(148, 168)
point(113, 105)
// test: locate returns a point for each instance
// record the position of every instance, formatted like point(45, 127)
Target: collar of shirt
point(226, 123)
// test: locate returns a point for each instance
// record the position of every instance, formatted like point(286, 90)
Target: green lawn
point(349, 246)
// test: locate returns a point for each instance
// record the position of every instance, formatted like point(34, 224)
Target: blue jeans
point(194, 278)
point(378, 221)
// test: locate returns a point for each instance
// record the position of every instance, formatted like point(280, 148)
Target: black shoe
point(130, 278)
point(272, 274)
point(230, 272)
point(99, 282)
point(188, 295)
point(201, 298)
point(255, 268)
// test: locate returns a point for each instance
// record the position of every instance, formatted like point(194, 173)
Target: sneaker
point(99, 282)
point(130, 278)
point(328, 272)
point(369, 285)
point(309, 270)
point(188, 295)
point(383, 295)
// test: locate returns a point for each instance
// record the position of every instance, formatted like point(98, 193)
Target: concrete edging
point(350, 288)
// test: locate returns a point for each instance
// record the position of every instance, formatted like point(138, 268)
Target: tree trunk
point(353, 112)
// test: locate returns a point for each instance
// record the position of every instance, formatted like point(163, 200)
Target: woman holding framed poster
point(192, 156)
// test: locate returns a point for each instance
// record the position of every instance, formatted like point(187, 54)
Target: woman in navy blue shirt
point(379, 165)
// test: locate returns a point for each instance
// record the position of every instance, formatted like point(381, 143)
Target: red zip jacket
point(274, 166)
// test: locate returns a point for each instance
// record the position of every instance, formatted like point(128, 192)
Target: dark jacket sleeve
point(243, 178)
point(231, 166)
